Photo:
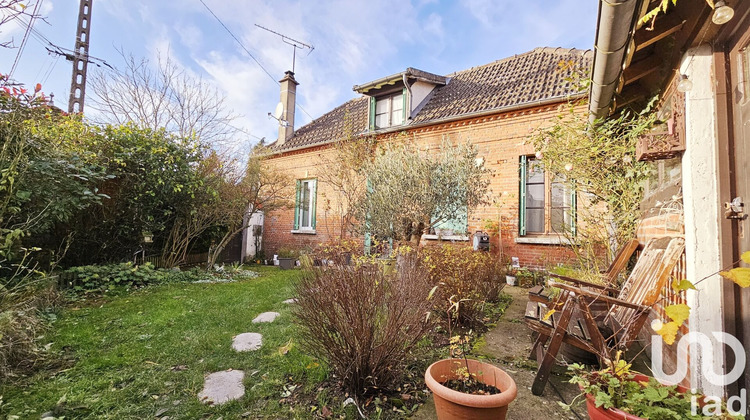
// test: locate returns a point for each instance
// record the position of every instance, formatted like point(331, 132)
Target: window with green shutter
point(547, 203)
point(458, 225)
point(304, 206)
point(388, 111)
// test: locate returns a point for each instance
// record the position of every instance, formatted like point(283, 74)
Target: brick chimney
point(288, 99)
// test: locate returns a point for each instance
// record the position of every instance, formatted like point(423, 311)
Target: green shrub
point(124, 275)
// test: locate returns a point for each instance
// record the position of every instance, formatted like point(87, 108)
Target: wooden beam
point(641, 68)
point(663, 27)
point(631, 94)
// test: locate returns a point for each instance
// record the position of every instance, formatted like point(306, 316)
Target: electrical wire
point(25, 38)
point(238, 41)
point(249, 53)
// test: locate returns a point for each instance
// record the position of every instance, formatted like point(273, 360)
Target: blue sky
point(355, 42)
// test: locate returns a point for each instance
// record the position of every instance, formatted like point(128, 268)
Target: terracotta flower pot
point(600, 413)
point(451, 404)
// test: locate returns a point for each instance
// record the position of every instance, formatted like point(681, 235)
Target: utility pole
point(80, 58)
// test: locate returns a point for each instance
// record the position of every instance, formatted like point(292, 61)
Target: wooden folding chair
point(540, 294)
point(619, 326)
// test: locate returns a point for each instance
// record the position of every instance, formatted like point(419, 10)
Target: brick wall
point(500, 138)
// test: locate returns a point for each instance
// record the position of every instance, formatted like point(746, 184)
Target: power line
point(249, 53)
point(53, 48)
point(25, 38)
point(239, 42)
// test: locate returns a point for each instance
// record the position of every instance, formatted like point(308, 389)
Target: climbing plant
point(598, 160)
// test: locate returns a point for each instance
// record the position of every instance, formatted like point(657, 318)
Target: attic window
point(388, 111)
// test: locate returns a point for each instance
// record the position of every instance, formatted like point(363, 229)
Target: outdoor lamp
point(722, 13)
point(148, 237)
point(684, 84)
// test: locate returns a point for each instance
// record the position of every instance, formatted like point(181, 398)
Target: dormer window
point(395, 98)
point(390, 110)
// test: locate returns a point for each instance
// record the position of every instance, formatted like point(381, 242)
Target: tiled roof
point(342, 122)
point(526, 78)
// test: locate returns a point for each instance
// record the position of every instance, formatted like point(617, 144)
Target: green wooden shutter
point(573, 208)
point(372, 113)
point(404, 106)
point(313, 200)
point(522, 199)
point(297, 204)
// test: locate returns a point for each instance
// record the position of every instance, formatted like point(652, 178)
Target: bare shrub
point(21, 307)
point(364, 323)
point(463, 277)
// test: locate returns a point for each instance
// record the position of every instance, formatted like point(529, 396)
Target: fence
point(190, 260)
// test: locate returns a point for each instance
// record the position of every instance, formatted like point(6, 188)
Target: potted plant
point(286, 258)
point(465, 388)
point(525, 277)
point(469, 389)
point(510, 276)
point(616, 392)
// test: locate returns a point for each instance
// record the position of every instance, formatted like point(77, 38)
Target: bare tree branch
point(168, 97)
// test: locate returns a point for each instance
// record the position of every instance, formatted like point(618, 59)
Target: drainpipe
point(408, 89)
point(616, 20)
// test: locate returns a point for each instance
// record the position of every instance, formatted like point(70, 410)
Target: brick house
point(495, 107)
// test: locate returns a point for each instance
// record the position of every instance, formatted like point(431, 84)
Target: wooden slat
point(663, 27)
point(641, 68)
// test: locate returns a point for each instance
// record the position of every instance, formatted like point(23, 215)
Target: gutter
point(538, 102)
point(614, 29)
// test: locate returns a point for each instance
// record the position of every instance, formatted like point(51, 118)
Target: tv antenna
point(291, 41)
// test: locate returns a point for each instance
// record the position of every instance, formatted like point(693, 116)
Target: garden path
point(507, 346)
point(224, 386)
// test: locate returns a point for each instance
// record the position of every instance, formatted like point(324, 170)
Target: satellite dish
point(278, 111)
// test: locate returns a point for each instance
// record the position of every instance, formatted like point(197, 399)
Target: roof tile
point(521, 79)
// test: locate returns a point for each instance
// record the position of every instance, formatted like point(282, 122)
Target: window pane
point(397, 117)
point(560, 195)
point(381, 106)
point(305, 205)
point(560, 220)
point(381, 120)
point(535, 220)
point(397, 102)
point(535, 195)
point(535, 172)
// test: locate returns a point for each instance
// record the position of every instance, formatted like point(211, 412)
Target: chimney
point(288, 99)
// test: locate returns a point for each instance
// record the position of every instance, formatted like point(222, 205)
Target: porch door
point(739, 78)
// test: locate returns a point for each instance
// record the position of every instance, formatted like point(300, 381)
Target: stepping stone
point(266, 317)
point(247, 342)
point(221, 387)
point(290, 301)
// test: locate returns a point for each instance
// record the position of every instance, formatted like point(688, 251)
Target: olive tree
point(410, 190)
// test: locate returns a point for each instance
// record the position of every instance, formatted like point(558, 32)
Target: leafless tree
point(263, 187)
point(165, 97)
point(12, 9)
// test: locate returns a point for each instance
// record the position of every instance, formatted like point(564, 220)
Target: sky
point(355, 41)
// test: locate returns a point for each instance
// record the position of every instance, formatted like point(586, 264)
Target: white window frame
point(302, 223)
point(389, 100)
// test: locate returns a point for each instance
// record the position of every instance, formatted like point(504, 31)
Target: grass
point(147, 352)
point(144, 354)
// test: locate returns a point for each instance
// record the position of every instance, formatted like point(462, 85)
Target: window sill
point(543, 240)
point(304, 232)
point(446, 237)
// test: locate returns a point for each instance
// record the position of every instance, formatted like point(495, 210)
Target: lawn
point(145, 355)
